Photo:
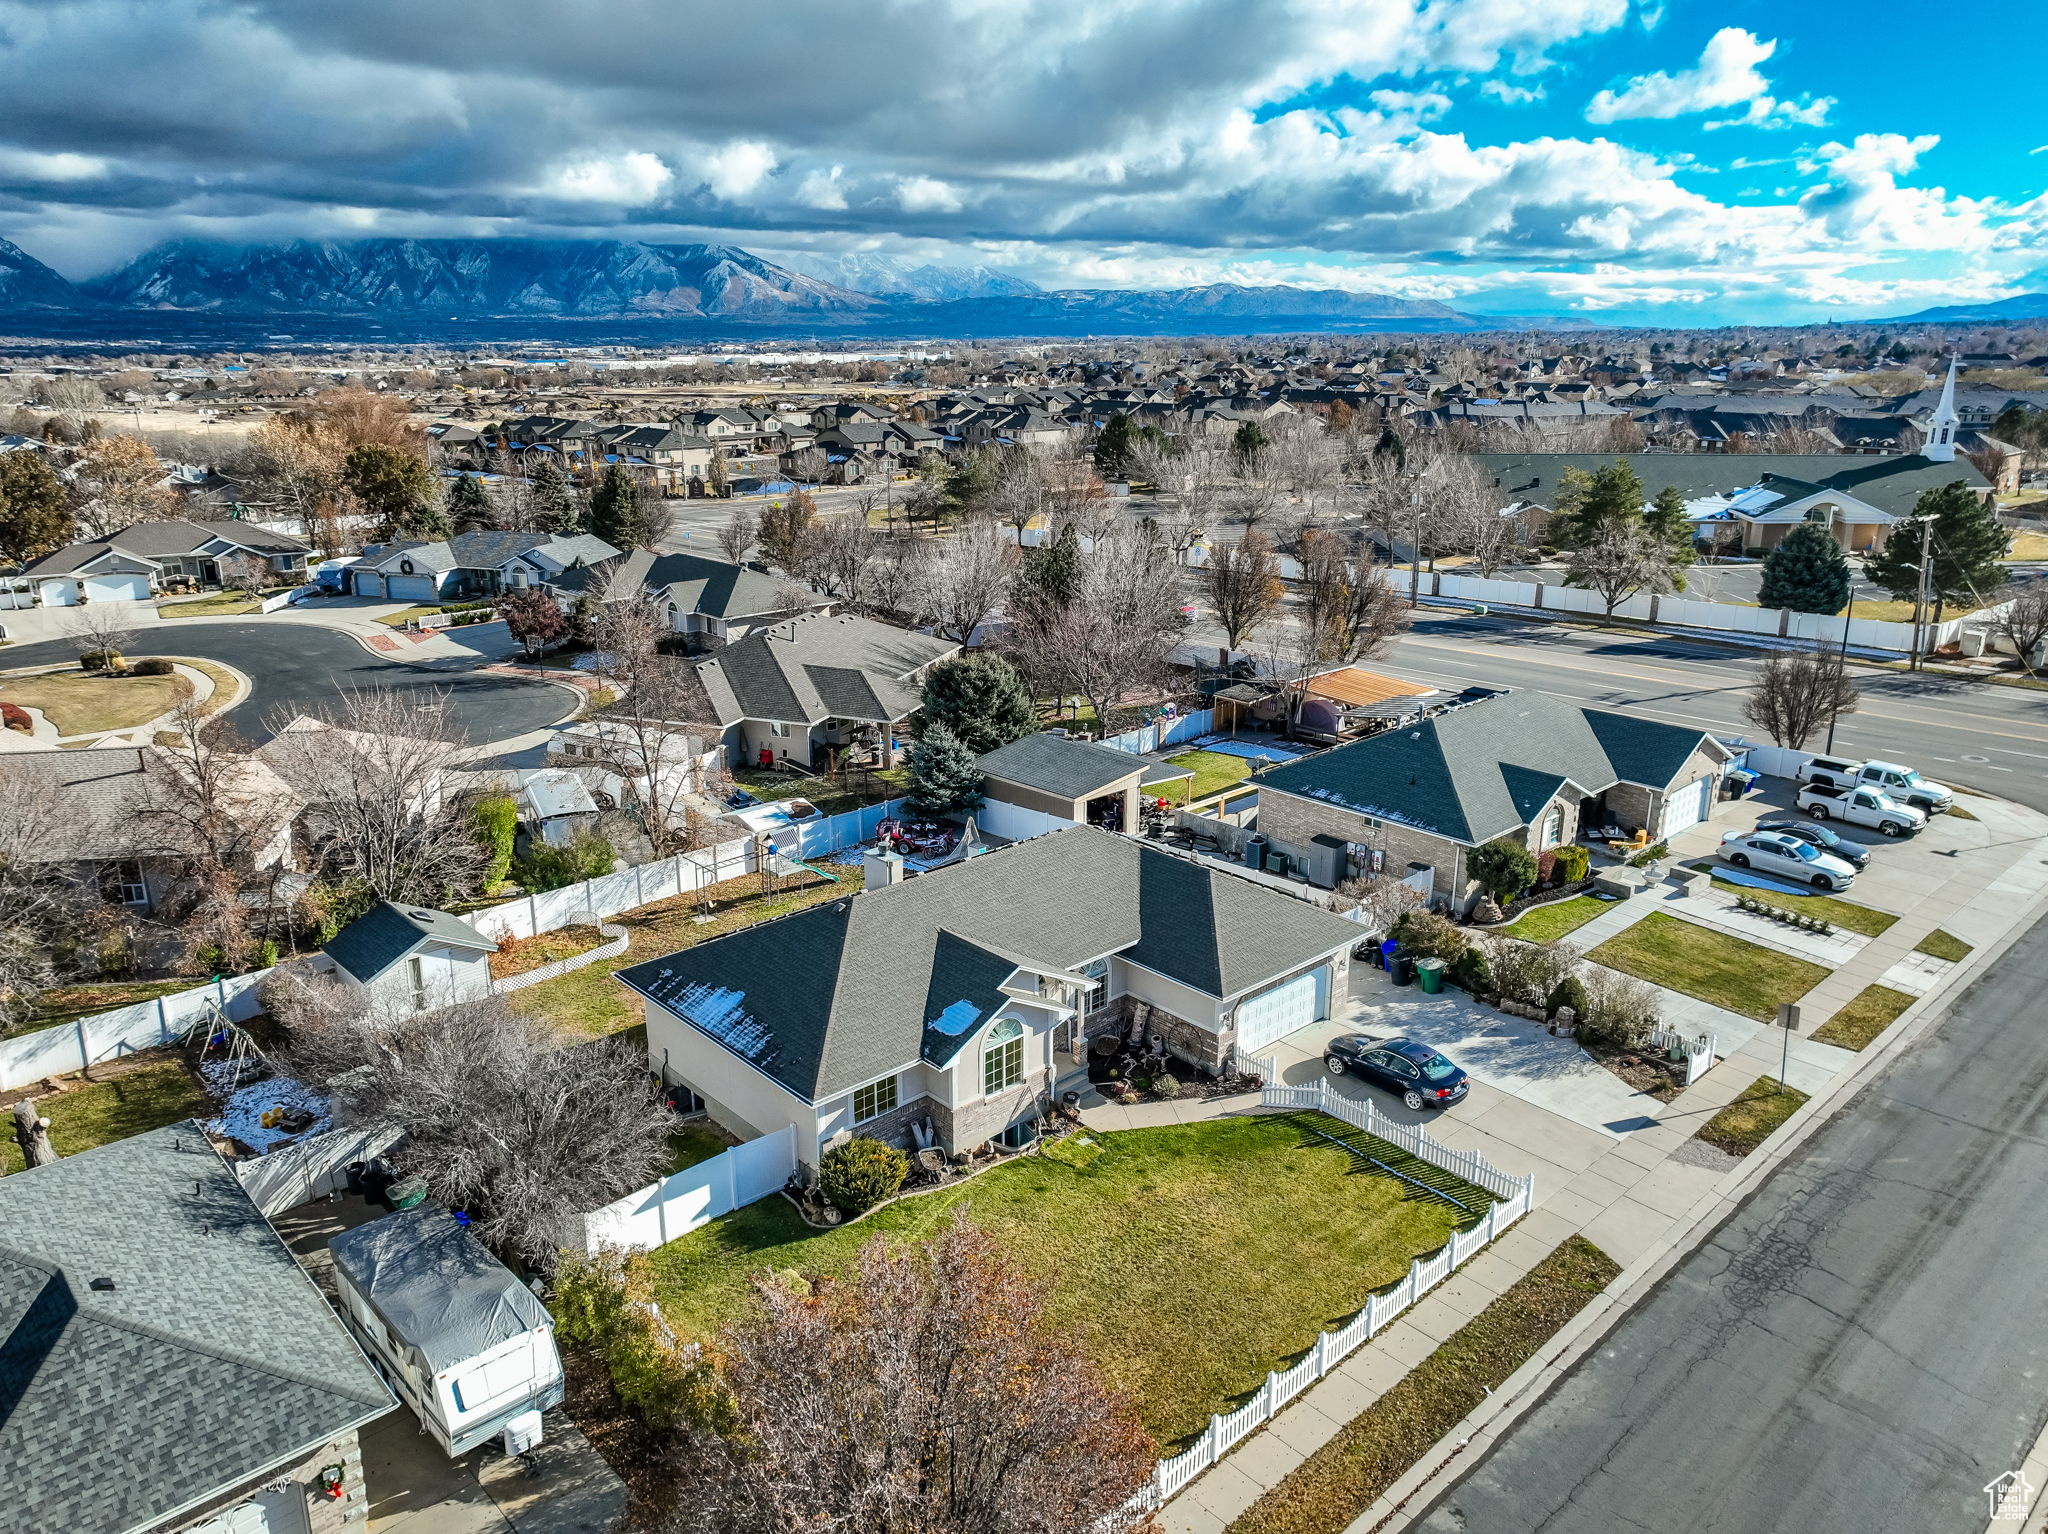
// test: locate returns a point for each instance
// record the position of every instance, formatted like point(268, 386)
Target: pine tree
point(981, 699)
point(1248, 442)
point(1965, 549)
point(1391, 447)
point(469, 506)
point(34, 520)
point(1807, 573)
point(615, 510)
point(944, 775)
point(1612, 497)
point(398, 489)
point(1673, 530)
point(1113, 448)
point(1050, 573)
point(554, 499)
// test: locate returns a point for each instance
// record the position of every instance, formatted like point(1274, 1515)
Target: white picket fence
point(298, 1173)
point(695, 1196)
point(1701, 1050)
point(1513, 1196)
point(620, 940)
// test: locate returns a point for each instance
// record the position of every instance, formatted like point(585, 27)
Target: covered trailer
point(464, 1343)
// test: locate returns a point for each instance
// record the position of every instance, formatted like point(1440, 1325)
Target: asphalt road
point(298, 667)
point(1863, 1347)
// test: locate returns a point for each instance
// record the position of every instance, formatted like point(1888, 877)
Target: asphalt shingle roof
point(386, 933)
point(805, 669)
point(837, 995)
point(1890, 483)
point(1072, 769)
point(1479, 771)
point(211, 1359)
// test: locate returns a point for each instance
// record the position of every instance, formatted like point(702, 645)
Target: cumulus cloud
point(628, 179)
point(1725, 76)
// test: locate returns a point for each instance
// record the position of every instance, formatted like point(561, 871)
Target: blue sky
point(1668, 162)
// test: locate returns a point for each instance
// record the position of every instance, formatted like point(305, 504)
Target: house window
point(1096, 997)
point(1002, 1057)
point(778, 728)
point(123, 884)
point(1553, 826)
point(874, 1100)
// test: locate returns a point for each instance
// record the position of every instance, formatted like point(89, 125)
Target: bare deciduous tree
point(738, 534)
point(119, 481)
point(841, 550)
point(1243, 582)
point(2023, 622)
point(1466, 516)
point(1795, 695)
point(967, 578)
point(37, 898)
point(1347, 611)
point(1620, 560)
point(1381, 901)
point(897, 584)
point(105, 627)
point(927, 1391)
point(1114, 635)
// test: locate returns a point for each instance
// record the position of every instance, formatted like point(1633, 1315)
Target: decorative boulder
point(1487, 911)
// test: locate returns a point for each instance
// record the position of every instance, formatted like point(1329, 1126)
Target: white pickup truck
point(1861, 807)
point(1888, 778)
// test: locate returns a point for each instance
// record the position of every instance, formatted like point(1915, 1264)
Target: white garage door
point(1687, 806)
point(368, 583)
point(117, 588)
point(410, 588)
point(1276, 1013)
point(268, 1512)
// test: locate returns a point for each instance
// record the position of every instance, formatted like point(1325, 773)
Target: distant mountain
point(1220, 308)
point(893, 277)
point(447, 279)
point(25, 283)
point(2021, 306)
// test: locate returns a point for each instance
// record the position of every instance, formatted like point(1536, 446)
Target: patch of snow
point(241, 1115)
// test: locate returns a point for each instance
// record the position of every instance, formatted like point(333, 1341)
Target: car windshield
point(1802, 850)
point(1437, 1068)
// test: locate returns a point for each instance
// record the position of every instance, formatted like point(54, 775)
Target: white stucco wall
point(447, 975)
point(743, 1099)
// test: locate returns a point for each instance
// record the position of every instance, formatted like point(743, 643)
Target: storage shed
point(464, 1343)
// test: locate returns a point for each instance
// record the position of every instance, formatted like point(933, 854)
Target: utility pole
point(1842, 657)
point(1920, 591)
point(1414, 545)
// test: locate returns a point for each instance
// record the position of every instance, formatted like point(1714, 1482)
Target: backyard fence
point(1700, 1051)
point(64, 1048)
point(1513, 1196)
point(1161, 733)
point(620, 940)
point(695, 1196)
point(835, 833)
point(298, 1173)
point(1015, 823)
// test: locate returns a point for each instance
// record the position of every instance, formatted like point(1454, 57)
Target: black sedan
point(1424, 1078)
point(1855, 854)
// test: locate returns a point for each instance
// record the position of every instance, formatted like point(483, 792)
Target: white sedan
point(1773, 852)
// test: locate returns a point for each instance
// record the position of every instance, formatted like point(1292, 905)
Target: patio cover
point(1361, 689)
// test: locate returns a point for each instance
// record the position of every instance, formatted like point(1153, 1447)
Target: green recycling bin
point(1431, 973)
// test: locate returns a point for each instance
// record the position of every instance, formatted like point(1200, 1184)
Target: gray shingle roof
point(1477, 772)
point(1072, 769)
point(211, 1360)
point(1889, 483)
point(696, 584)
point(839, 994)
point(799, 671)
point(386, 933)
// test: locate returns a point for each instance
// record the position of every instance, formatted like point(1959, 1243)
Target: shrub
point(14, 717)
point(1472, 973)
point(1426, 935)
point(266, 955)
point(1529, 972)
point(493, 825)
point(1655, 853)
point(1620, 1010)
point(861, 1173)
point(551, 868)
point(1568, 992)
point(100, 660)
point(1572, 864)
point(1503, 868)
point(154, 666)
point(606, 1303)
point(1165, 1085)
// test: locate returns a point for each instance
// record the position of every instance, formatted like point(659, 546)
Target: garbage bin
point(408, 1192)
point(1403, 970)
point(1431, 973)
point(1388, 948)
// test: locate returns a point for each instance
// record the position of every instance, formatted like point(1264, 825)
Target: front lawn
point(99, 1112)
point(1187, 1261)
point(830, 796)
point(1549, 922)
point(405, 615)
point(220, 604)
point(588, 999)
point(1874, 1009)
point(1751, 1119)
point(82, 703)
point(1846, 914)
point(1680, 955)
point(1214, 771)
point(1944, 945)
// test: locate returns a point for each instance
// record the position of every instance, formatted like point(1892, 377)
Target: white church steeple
point(1941, 427)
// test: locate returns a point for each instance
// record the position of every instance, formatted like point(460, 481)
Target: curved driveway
point(298, 667)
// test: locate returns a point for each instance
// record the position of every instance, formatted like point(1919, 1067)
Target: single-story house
point(957, 1000)
point(1523, 765)
point(412, 958)
point(618, 758)
point(1076, 780)
point(165, 1363)
point(136, 563)
point(792, 690)
point(711, 599)
point(473, 566)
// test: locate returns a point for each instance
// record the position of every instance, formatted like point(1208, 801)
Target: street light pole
point(1920, 591)
point(1414, 545)
point(1841, 666)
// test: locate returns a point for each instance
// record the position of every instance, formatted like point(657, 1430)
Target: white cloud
point(1509, 94)
point(627, 180)
point(924, 194)
point(1725, 76)
point(821, 190)
point(735, 169)
point(30, 165)
point(1421, 106)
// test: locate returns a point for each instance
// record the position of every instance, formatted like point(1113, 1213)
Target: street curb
point(1532, 1384)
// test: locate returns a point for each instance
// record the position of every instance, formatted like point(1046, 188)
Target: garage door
point(368, 583)
point(268, 1512)
point(1276, 1013)
point(1687, 806)
point(117, 588)
point(410, 588)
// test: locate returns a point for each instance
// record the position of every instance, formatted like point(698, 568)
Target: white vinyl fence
point(695, 1196)
point(67, 1047)
point(1015, 823)
point(298, 1173)
point(609, 894)
point(620, 940)
point(1513, 1195)
point(1701, 1050)
point(1161, 733)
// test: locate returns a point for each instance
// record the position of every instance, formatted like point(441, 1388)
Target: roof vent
point(421, 915)
point(104, 1285)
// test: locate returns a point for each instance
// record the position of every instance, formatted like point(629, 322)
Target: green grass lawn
point(694, 1143)
point(1214, 772)
point(1727, 971)
point(831, 797)
point(95, 1113)
point(405, 615)
point(1747, 1122)
point(219, 604)
point(1873, 1010)
point(1186, 1261)
point(1944, 945)
point(1846, 914)
point(589, 1000)
point(80, 703)
point(1549, 922)
point(1343, 1478)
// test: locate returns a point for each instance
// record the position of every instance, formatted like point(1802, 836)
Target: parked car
point(1423, 1077)
point(1855, 854)
point(1861, 807)
point(1774, 852)
point(1901, 783)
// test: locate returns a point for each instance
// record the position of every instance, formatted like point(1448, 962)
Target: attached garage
point(1283, 1009)
point(117, 588)
point(368, 583)
point(411, 588)
point(1686, 806)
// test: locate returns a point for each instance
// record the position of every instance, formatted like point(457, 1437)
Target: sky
point(1633, 161)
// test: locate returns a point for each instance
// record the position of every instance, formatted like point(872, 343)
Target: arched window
point(1002, 1056)
point(1553, 826)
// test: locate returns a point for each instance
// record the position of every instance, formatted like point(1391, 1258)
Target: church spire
point(1941, 427)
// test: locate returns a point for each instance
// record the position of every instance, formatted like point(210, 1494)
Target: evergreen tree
point(972, 480)
point(1050, 573)
point(398, 489)
point(944, 775)
point(1612, 496)
point(34, 520)
point(1673, 530)
point(1965, 550)
point(718, 481)
point(1807, 572)
point(981, 699)
point(1248, 442)
point(615, 510)
point(1113, 448)
point(554, 499)
point(1391, 447)
point(469, 506)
